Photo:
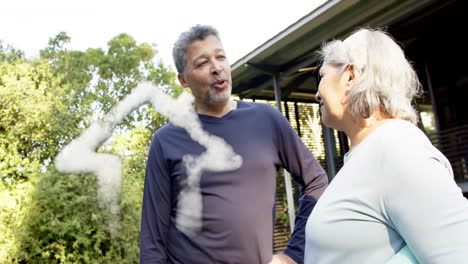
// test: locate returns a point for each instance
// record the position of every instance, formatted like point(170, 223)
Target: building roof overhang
point(291, 54)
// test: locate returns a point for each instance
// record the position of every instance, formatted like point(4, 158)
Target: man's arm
point(156, 208)
point(296, 243)
point(305, 170)
point(294, 252)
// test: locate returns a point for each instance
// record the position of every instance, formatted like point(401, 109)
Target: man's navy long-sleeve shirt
point(237, 205)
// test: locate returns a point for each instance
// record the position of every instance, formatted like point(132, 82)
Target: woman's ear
point(350, 69)
point(349, 79)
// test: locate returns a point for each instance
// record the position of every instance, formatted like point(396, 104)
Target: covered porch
point(283, 69)
point(283, 72)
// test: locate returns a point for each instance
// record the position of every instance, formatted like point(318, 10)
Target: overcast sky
point(243, 24)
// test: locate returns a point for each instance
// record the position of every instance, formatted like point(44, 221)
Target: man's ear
point(182, 80)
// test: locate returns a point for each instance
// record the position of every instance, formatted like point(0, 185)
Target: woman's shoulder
point(401, 134)
point(403, 142)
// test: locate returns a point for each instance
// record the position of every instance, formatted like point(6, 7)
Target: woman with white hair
point(395, 188)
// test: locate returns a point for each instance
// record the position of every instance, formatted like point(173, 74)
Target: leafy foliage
point(50, 217)
point(9, 53)
point(63, 224)
point(12, 201)
point(31, 113)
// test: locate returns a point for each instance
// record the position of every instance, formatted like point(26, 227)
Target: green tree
point(31, 112)
point(9, 53)
point(62, 223)
point(46, 102)
point(97, 79)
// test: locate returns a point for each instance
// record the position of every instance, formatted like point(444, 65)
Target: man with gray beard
point(238, 205)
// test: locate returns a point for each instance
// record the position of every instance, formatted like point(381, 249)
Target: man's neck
point(216, 110)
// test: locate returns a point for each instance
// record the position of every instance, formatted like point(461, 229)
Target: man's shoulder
point(258, 106)
point(165, 131)
point(248, 104)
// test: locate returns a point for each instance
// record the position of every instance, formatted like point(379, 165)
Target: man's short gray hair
point(386, 79)
point(197, 32)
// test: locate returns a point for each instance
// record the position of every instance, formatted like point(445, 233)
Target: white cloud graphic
point(80, 155)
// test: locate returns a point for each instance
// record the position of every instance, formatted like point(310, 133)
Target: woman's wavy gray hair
point(385, 81)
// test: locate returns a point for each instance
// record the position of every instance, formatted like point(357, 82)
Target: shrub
point(63, 223)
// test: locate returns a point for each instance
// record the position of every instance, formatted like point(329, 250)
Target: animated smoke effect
point(80, 155)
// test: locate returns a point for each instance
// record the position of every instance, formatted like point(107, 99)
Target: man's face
point(207, 72)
